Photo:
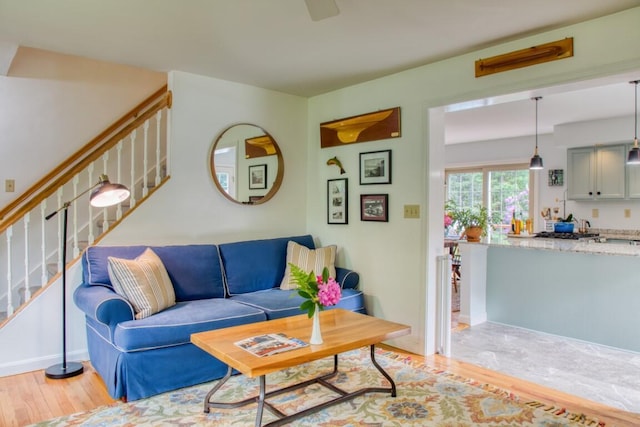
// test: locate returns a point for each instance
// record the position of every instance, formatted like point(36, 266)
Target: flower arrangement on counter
point(318, 291)
point(447, 221)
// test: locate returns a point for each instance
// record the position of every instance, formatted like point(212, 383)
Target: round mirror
point(246, 164)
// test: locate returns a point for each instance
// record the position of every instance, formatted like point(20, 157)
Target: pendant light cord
point(537, 99)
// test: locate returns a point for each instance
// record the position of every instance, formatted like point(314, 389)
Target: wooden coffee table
point(342, 331)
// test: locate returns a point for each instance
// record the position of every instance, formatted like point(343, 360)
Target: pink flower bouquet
point(318, 291)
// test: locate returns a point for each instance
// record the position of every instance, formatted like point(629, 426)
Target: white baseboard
point(477, 319)
point(39, 363)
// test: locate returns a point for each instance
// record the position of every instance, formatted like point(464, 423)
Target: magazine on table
point(268, 344)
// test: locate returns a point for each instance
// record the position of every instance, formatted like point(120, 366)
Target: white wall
point(396, 259)
point(189, 207)
point(553, 149)
point(53, 104)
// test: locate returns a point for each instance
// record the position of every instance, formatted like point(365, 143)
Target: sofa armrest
point(348, 279)
point(103, 305)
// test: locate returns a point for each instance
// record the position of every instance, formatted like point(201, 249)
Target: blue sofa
point(216, 286)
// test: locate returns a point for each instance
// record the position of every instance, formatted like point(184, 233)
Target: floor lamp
point(104, 194)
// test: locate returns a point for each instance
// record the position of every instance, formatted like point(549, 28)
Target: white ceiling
point(275, 45)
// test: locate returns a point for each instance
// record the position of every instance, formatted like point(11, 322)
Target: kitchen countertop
point(577, 246)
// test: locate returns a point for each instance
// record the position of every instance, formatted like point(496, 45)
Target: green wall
point(589, 297)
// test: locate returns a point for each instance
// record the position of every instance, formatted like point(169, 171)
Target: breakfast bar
point(582, 289)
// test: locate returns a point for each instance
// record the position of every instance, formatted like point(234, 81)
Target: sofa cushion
point(175, 325)
point(278, 303)
point(308, 260)
point(194, 270)
point(256, 265)
point(144, 282)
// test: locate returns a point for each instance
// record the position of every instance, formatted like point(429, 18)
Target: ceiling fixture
point(322, 9)
point(634, 153)
point(536, 160)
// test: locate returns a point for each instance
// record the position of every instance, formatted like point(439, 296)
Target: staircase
point(132, 151)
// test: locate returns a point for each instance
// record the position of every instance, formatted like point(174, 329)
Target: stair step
point(52, 269)
point(100, 222)
point(32, 289)
point(3, 315)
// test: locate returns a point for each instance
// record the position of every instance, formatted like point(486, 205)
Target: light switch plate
point(412, 211)
point(10, 185)
point(627, 213)
point(595, 213)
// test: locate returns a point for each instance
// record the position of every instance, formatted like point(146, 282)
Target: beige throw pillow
point(143, 281)
point(309, 260)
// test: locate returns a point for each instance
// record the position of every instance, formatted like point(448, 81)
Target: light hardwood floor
point(30, 398)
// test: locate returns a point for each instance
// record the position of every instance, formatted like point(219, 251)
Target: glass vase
point(316, 333)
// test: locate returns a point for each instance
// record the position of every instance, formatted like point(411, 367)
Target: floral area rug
point(426, 397)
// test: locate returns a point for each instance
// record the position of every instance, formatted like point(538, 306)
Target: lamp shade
point(634, 155)
point(108, 194)
point(536, 162)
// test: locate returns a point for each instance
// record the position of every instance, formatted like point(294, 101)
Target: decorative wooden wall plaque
point(553, 51)
point(259, 146)
point(363, 128)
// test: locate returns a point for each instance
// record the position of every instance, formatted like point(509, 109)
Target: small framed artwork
point(375, 167)
point(254, 199)
point(374, 207)
point(258, 177)
point(337, 201)
point(556, 177)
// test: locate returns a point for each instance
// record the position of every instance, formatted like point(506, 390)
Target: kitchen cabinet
point(597, 173)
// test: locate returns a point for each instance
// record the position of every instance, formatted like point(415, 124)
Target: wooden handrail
point(83, 157)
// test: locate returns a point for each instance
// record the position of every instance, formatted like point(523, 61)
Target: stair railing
point(125, 145)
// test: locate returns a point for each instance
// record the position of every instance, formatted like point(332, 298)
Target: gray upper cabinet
point(597, 173)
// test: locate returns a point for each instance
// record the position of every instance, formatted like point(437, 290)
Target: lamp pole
point(107, 194)
point(64, 369)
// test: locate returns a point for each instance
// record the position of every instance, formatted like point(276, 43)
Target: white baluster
point(132, 197)
point(105, 213)
point(145, 160)
point(60, 193)
point(158, 152)
point(43, 245)
point(76, 246)
point(27, 287)
point(91, 237)
point(9, 278)
point(167, 141)
point(119, 177)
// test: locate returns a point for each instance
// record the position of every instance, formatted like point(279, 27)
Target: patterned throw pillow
point(143, 281)
point(309, 260)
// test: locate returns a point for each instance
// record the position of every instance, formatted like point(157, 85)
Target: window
point(505, 190)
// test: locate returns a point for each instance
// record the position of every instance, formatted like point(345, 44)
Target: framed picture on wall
point(258, 177)
point(337, 201)
point(556, 177)
point(374, 207)
point(375, 167)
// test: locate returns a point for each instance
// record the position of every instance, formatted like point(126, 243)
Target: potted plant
point(474, 221)
point(564, 225)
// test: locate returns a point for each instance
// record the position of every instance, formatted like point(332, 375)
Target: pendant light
point(536, 160)
point(634, 153)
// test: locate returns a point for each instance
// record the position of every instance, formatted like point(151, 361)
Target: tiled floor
point(594, 372)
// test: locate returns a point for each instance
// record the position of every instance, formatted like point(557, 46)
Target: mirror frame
point(279, 175)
